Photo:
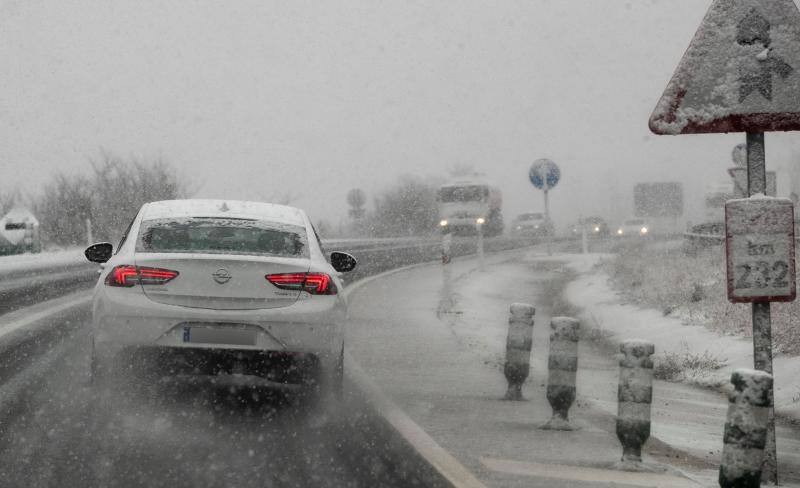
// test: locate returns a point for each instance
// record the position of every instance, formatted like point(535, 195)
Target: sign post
point(740, 74)
point(544, 175)
point(739, 176)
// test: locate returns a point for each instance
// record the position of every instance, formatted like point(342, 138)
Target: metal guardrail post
point(518, 348)
point(562, 367)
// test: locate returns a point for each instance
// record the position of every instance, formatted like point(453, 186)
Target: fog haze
point(260, 100)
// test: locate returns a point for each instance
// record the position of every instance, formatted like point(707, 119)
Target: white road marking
point(441, 460)
point(581, 473)
point(9, 327)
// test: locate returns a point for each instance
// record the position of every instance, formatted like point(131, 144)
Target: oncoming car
point(634, 227)
point(207, 287)
point(595, 226)
point(531, 224)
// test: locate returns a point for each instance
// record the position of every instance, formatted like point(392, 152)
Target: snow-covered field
point(606, 309)
point(692, 288)
point(53, 259)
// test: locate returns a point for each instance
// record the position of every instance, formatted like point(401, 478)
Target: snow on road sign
point(544, 174)
point(759, 247)
point(741, 72)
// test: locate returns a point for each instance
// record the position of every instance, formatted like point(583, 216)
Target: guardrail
point(35, 278)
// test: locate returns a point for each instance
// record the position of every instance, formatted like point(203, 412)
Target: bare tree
point(356, 199)
point(62, 209)
point(110, 196)
point(407, 209)
point(7, 200)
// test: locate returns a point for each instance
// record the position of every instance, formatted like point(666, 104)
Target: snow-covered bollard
point(447, 241)
point(634, 397)
point(518, 348)
point(745, 429)
point(562, 368)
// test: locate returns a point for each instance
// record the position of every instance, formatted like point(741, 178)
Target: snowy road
point(455, 321)
point(56, 431)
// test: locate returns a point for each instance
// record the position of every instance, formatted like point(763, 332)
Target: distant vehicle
point(634, 227)
point(221, 287)
point(19, 232)
point(595, 226)
point(465, 205)
point(532, 224)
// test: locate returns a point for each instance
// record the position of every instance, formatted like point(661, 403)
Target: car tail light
point(314, 283)
point(127, 275)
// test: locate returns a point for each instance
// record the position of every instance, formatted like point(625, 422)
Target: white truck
point(468, 205)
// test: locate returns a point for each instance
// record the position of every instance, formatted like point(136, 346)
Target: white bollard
point(447, 241)
point(562, 366)
point(635, 396)
point(584, 240)
point(745, 429)
point(89, 236)
point(518, 348)
point(481, 259)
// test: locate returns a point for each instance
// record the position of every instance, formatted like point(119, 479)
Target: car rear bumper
point(124, 320)
point(214, 365)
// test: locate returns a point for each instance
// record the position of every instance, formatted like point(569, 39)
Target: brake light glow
point(128, 275)
point(313, 283)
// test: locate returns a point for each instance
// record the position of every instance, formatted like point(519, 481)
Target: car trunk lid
point(231, 282)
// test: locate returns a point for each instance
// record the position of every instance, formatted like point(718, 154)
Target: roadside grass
point(692, 287)
point(686, 366)
point(553, 294)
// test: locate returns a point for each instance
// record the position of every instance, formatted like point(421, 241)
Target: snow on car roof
point(224, 208)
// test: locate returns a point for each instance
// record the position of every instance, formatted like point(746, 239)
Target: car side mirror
point(343, 262)
point(100, 252)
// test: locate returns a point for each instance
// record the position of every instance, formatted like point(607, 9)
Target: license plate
point(220, 335)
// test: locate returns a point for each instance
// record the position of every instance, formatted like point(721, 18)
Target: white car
point(221, 287)
point(633, 227)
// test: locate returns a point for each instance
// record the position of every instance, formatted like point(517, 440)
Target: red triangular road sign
point(741, 73)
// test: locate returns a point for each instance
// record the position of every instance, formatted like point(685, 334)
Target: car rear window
point(222, 236)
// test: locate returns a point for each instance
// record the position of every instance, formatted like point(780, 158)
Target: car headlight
point(443, 223)
point(619, 232)
point(480, 221)
point(644, 230)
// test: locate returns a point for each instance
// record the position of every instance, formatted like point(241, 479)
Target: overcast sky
point(257, 99)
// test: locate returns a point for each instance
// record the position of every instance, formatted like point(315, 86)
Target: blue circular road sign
point(544, 174)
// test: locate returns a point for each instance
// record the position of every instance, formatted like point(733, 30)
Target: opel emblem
point(221, 276)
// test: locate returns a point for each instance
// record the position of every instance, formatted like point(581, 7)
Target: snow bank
point(602, 309)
